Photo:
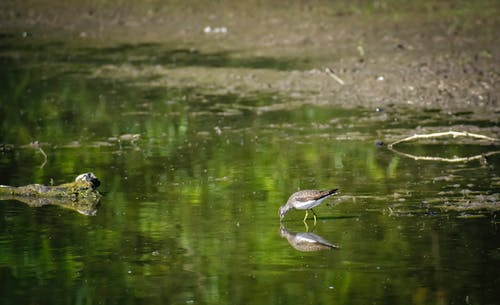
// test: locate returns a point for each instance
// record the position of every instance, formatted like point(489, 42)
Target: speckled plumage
point(305, 200)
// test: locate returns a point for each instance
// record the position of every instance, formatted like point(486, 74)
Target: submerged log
point(80, 195)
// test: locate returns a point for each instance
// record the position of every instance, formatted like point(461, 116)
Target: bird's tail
point(332, 192)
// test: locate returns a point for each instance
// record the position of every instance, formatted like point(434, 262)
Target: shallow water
point(192, 183)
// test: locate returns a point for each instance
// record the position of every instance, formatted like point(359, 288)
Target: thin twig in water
point(36, 145)
point(44, 156)
point(441, 134)
point(451, 160)
point(335, 77)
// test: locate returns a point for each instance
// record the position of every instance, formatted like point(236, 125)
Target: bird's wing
point(308, 196)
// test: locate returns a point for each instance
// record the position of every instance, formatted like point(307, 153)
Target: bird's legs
point(314, 216)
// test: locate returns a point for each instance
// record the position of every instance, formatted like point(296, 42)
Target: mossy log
point(80, 195)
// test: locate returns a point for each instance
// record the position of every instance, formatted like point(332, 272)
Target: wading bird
point(305, 200)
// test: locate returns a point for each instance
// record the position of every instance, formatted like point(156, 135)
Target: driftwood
point(454, 134)
point(80, 195)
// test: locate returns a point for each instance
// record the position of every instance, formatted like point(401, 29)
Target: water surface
point(192, 183)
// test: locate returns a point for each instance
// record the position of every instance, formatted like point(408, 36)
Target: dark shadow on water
point(318, 218)
point(146, 54)
point(336, 217)
point(151, 53)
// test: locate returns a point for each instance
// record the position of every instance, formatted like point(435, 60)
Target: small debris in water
point(216, 30)
point(129, 137)
point(471, 216)
point(126, 137)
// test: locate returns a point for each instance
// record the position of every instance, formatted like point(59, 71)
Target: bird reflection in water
point(306, 241)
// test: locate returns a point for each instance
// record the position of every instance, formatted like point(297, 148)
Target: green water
point(190, 208)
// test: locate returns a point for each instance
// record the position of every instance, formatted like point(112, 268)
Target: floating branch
point(443, 134)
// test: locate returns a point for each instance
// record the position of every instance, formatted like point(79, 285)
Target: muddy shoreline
point(433, 55)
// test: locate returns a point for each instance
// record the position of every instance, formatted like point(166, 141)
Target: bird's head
point(282, 212)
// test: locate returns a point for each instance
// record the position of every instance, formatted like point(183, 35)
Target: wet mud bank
point(432, 55)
